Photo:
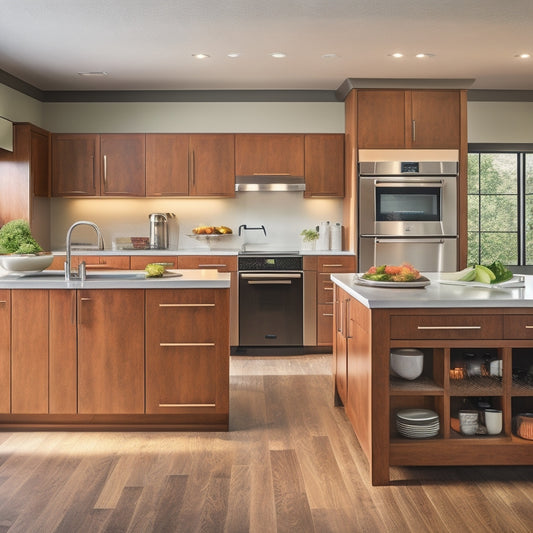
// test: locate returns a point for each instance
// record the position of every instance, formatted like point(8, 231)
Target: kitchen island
point(446, 322)
point(115, 351)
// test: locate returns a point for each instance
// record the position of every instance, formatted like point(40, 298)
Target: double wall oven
point(408, 213)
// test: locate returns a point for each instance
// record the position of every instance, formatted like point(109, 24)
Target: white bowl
point(26, 263)
point(407, 363)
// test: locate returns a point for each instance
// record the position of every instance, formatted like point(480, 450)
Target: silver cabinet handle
point(187, 405)
point(167, 344)
point(3, 301)
point(327, 288)
point(271, 282)
point(212, 265)
point(414, 130)
point(528, 327)
point(449, 327)
point(186, 305)
point(333, 265)
point(327, 314)
point(271, 276)
point(105, 169)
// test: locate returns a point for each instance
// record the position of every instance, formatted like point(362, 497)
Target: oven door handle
point(435, 240)
point(407, 183)
point(296, 275)
point(270, 282)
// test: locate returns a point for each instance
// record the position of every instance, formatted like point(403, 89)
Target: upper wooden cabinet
point(324, 165)
point(212, 165)
point(122, 164)
point(92, 165)
point(268, 154)
point(190, 165)
point(75, 165)
point(392, 118)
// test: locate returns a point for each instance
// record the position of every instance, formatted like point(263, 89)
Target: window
point(500, 204)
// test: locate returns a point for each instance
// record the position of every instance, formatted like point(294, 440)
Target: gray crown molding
point(401, 83)
point(486, 95)
point(21, 86)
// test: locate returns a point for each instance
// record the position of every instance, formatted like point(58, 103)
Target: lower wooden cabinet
point(110, 351)
point(187, 343)
point(114, 358)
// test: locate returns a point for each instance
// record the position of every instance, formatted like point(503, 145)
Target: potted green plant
point(309, 238)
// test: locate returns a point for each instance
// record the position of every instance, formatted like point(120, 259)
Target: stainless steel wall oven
point(408, 213)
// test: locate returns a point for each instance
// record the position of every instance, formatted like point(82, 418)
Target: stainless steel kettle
point(159, 230)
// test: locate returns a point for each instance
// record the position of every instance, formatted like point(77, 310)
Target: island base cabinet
point(187, 351)
point(111, 351)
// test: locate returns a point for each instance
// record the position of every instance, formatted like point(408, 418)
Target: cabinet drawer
point(518, 327)
point(325, 325)
point(446, 327)
point(139, 262)
point(336, 263)
point(325, 289)
point(223, 263)
point(103, 262)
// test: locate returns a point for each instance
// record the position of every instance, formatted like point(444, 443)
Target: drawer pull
point(333, 265)
point(448, 327)
point(327, 314)
point(186, 305)
point(166, 344)
point(187, 405)
point(212, 265)
point(3, 301)
point(327, 288)
point(528, 327)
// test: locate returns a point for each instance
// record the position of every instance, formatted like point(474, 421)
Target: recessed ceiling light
point(201, 56)
point(329, 56)
point(278, 55)
point(422, 55)
point(523, 56)
point(94, 74)
point(233, 55)
point(397, 55)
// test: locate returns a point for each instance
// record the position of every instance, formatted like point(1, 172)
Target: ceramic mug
point(469, 422)
point(493, 421)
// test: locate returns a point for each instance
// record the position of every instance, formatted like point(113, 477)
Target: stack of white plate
point(417, 423)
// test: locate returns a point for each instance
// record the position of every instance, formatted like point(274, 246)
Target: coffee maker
point(159, 232)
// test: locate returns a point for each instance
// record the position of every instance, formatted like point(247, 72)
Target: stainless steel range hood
point(270, 183)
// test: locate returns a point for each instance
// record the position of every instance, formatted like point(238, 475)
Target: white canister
point(323, 236)
point(336, 237)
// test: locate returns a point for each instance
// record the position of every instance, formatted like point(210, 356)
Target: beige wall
point(500, 122)
point(18, 107)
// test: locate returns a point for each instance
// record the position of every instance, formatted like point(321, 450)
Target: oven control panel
point(281, 262)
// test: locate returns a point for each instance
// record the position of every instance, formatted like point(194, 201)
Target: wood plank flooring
point(290, 463)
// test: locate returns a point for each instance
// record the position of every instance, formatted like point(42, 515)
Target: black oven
point(271, 293)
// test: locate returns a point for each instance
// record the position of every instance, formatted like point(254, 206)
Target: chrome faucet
point(80, 274)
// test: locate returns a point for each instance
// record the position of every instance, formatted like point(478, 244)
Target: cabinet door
point(187, 350)
point(324, 165)
point(39, 163)
point(123, 164)
point(5, 351)
point(102, 262)
point(75, 165)
point(222, 263)
point(381, 119)
point(167, 164)
point(29, 351)
point(111, 351)
point(63, 362)
point(212, 165)
point(435, 119)
point(139, 262)
point(266, 154)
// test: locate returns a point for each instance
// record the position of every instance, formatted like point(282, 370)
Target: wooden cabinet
point(327, 265)
point(110, 164)
point(25, 181)
point(139, 262)
point(267, 154)
point(392, 118)
point(102, 262)
point(5, 351)
point(75, 165)
point(374, 396)
point(212, 165)
point(110, 351)
point(187, 347)
point(167, 164)
point(324, 165)
point(122, 164)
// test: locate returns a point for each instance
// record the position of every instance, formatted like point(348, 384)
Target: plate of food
point(403, 276)
point(492, 276)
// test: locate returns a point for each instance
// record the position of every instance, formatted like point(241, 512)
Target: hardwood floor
point(290, 463)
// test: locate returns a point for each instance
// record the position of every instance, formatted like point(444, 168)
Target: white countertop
point(188, 251)
point(120, 279)
point(437, 295)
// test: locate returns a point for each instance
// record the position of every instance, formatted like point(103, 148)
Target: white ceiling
point(149, 44)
